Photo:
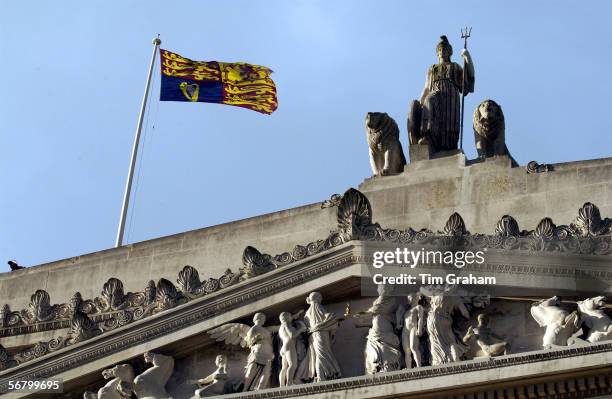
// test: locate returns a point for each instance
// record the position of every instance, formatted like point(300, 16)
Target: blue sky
point(73, 75)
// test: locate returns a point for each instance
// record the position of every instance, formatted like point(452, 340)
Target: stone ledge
point(452, 376)
point(183, 321)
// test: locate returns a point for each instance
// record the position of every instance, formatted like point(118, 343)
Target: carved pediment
point(93, 318)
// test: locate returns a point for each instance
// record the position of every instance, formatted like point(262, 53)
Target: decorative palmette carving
point(455, 226)
point(112, 296)
point(507, 227)
point(255, 263)
point(546, 233)
point(189, 282)
point(545, 229)
point(81, 328)
point(546, 237)
point(589, 234)
point(354, 214)
point(589, 221)
point(167, 296)
point(39, 309)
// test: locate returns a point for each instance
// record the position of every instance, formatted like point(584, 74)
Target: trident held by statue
point(464, 35)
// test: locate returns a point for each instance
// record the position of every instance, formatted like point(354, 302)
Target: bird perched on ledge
point(14, 266)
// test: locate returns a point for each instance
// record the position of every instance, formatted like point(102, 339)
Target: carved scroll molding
point(193, 312)
point(588, 234)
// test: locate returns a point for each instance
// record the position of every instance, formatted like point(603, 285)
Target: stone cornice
point(213, 305)
point(180, 317)
point(588, 235)
point(426, 372)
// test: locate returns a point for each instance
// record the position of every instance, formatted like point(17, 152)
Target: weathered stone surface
point(386, 153)
point(434, 118)
point(450, 197)
point(490, 130)
point(213, 249)
point(419, 152)
point(429, 191)
point(421, 197)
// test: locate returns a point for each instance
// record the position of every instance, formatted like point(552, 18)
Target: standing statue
point(382, 351)
point(436, 118)
point(120, 386)
point(151, 384)
point(214, 384)
point(444, 344)
point(412, 327)
point(386, 153)
point(559, 323)
point(289, 333)
point(595, 319)
point(259, 339)
point(490, 344)
point(320, 364)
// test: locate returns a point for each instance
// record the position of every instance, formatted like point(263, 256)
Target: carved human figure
point(319, 364)
point(490, 344)
point(436, 118)
point(595, 319)
point(382, 351)
point(413, 326)
point(444, 344)
point(259, 339)
point(559, 323)
point(214, 384)
point(120, 385)
point(151, 384)
point(289, 333)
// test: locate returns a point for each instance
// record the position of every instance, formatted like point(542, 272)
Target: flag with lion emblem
point(233, 83)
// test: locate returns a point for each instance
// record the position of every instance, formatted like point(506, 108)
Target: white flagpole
point(128, 185)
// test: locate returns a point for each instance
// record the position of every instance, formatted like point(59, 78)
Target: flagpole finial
point(157, 41)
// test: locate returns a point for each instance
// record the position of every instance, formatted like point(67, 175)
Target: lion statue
point(120, 386)
point(490, 131)
point(595, 319)
point(386, 153)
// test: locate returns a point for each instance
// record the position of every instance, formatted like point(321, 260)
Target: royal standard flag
point(233, 83)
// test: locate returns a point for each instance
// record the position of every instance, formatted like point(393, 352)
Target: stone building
point(340, 299)
point(543, 228)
